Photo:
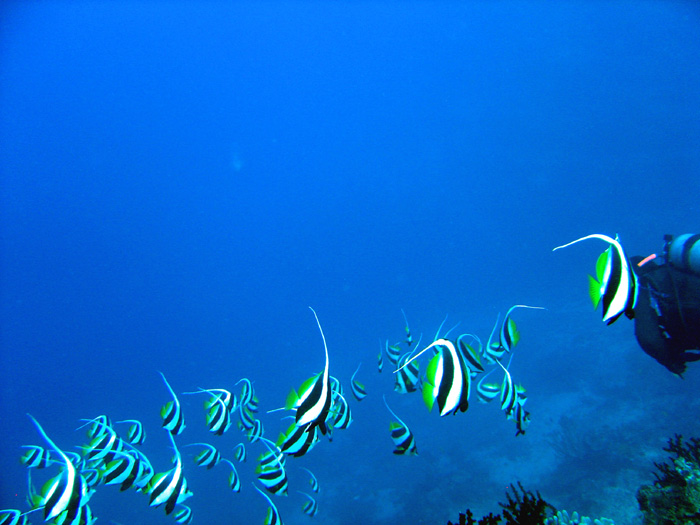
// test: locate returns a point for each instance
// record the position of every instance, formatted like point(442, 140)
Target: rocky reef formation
point(674, 497)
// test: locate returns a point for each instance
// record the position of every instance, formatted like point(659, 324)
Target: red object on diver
point(646, 259)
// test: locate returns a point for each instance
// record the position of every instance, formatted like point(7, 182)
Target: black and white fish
point(239, 453)
point(297, 441)
point(173, 418)
point(313, 481)
point(509, 335)
point(393, 352)
point(122, 470)
point(615, 282)
point(358, 389)
point(448, 379)
point(271, 472)
point(272, 517)
point(208, 457)
point(183, 514)
point(169, 487)
point(313, 399)
point(471, 355)
point(401, 435)
point(310, 507)
point(64, 495)
point(136, 435)
point(256, 432)
point(487, 392)
point(14, 517)
point(340, 413)
point(508, 392)
point(35, 457)
point(407, 378)
point(234, 482)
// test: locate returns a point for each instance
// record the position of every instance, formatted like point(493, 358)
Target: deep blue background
point(180, 180)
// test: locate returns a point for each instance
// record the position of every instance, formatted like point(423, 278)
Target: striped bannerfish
point(253, 404)
point(234, 482)
point(145, 471)
point(218, 416)
point(104, 446)
point(221, 394)
point(239, 453)
point(341, 411)
point(247, 420)
point(494, 351)
point(226, 396)
point(100, 424)
point(471, 355)
point(401, 435)
point(509, 335)
point(615, 282)
point(336, 386)
point(297, 441)
point(168, 487)
point(313, 481)
point(310, 507)
point(208, 457)
point(358, 389)
point(35, 457)
point(273, 457)
point(247, 392)
point(409, 337)
point(136, 435)
point(217, 408)
point(314, 398)
point(82, 517)
point(393, 352)
point(522, 418)
point(183, 514)
point(173, 418)
point(272, 517)
point(271, 472)
point(68, 491)
point(448, 379)
point(508, 392)
point(487, 392)
point(14, 517)
point(256, 432)
point(120, 471)
point(407, 378)
point(91, 475)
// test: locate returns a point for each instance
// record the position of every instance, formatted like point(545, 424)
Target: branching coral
point(523, 508)
point(674, 498)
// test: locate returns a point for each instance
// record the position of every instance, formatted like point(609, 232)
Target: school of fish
point(111, 453)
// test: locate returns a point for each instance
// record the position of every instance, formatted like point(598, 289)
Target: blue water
point(181, 180)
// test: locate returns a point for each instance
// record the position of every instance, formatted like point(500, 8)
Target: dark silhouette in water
point(667, 313)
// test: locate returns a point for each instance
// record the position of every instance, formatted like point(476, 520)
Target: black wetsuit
point(667, 314)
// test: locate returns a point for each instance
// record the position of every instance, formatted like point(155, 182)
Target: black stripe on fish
point(173, 418)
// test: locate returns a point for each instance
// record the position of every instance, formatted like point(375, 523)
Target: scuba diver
point(660, 292)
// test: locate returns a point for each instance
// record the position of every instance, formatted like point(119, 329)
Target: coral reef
point(522, 508)
point(674, 497)
point(563, 518)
